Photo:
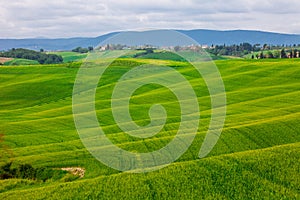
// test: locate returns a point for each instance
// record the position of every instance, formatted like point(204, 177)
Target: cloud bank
point(77, 18)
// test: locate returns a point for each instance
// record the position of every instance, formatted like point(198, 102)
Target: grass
point(260, 174)
point(72, 56)
point(18, 61)
point(257, 156)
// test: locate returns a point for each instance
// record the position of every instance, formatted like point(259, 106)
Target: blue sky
point(72, 18)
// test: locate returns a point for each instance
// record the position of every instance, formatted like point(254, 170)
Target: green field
point(167, 55)
point(19, 61)
point(71, 56)
point(68, 57)
point(257, 156)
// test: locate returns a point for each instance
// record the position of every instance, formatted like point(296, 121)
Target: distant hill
point(52, 44)
point(239, 36)
point(202, 36)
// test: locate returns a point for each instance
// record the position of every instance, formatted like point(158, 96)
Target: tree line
point(82, 50)
point(283, 53)
point(233, 50)
point(258, 51)
point(41, 57)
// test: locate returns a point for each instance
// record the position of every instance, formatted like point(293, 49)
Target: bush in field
point(83, 50)
point(6, 172)
point(26, 171)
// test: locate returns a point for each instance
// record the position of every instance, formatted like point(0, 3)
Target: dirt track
point(75, 171)
point(3, 60)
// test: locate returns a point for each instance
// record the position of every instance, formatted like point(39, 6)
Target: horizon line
point(146, 30)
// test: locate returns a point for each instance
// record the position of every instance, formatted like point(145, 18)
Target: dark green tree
point(269, 55)
point(26, 171)
point(283, 54)
point(261, 55)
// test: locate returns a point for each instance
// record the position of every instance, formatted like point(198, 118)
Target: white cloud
point(70, 18)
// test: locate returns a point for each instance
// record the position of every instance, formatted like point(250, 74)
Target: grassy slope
point(260, 174)
point(263, 113)
point(18, 61)
point(67, 56)
point(167, 55)
point(71, 56)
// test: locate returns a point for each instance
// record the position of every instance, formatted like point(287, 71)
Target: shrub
point(82, 50)
point(26, 171)
point(6, 172)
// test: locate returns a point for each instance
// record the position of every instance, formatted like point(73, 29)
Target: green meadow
point(256, 157)
point(71, 56)
point(19, 61)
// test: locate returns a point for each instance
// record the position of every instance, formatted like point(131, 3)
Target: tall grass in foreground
point(257, 156)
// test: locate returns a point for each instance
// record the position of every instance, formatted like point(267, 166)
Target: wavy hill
point(257, 156)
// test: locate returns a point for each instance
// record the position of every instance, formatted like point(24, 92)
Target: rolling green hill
point(167, 55)
point(19, 61)
point(257, 156)
point(71, 56)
